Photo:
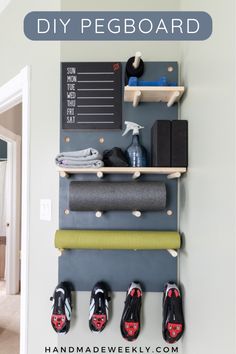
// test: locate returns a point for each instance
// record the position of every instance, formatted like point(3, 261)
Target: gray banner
point(120, 26)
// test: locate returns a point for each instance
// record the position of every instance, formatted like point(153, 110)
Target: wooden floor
point(9, 322)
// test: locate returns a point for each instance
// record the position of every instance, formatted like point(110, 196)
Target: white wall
point(207, 192)
point(44, 60)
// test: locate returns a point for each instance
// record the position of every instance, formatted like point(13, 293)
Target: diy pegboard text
point(118, 26)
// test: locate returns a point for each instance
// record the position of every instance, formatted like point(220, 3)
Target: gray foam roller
point(105, 196)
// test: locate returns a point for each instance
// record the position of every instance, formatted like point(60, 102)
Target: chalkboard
point(91, 96)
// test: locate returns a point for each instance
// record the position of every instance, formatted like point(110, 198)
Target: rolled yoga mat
point(104, 196)
point(117, 240)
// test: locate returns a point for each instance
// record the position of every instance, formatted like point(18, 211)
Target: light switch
point(45, 209)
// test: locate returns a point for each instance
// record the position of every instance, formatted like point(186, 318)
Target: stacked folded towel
point(87, 158)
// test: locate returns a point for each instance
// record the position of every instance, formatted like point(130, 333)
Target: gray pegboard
point(83, 268)
point(163, 267)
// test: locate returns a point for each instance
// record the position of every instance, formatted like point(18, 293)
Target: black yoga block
point(179, 143)
point(161, 143)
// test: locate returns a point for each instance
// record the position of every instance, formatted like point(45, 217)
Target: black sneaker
point(98, 311)
point(130, 321)
point(173, 319)
point(61, 308)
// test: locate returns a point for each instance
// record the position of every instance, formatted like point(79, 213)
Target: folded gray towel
point(81, 164)
point(87, 158)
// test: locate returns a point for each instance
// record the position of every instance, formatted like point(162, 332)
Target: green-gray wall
point(207, 266)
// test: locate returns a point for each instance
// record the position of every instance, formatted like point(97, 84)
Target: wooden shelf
point(171, 172)
point(169, 94)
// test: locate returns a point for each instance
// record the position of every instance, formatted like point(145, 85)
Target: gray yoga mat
point(104, 196)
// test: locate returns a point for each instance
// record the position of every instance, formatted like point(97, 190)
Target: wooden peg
point(136, 174)
point(100, 174)
point(173, 253)
point(99, 214)
point(64, 174)
point(137, 60)
point(173, 98)
point(137, 213)
point(174, 175)
point(137, 98)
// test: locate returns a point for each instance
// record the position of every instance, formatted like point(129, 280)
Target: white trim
point(4, 4)
point(11, 94)
point(15, 91)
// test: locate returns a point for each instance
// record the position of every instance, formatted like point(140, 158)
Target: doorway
point(13, 93)
point(10, 226)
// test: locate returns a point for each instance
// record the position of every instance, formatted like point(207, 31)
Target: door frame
point(16, 91)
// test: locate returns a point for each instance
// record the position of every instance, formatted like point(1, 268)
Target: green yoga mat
point(117, 240)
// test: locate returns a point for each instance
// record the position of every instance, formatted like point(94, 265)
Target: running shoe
point(130, 321)
point(173, 319)
point(61, 308)
point(98, 311)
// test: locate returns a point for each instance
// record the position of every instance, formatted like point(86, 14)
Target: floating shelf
point(171, 172)
point(169, 94)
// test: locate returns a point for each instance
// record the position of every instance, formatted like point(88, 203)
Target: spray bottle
point(136, 153)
